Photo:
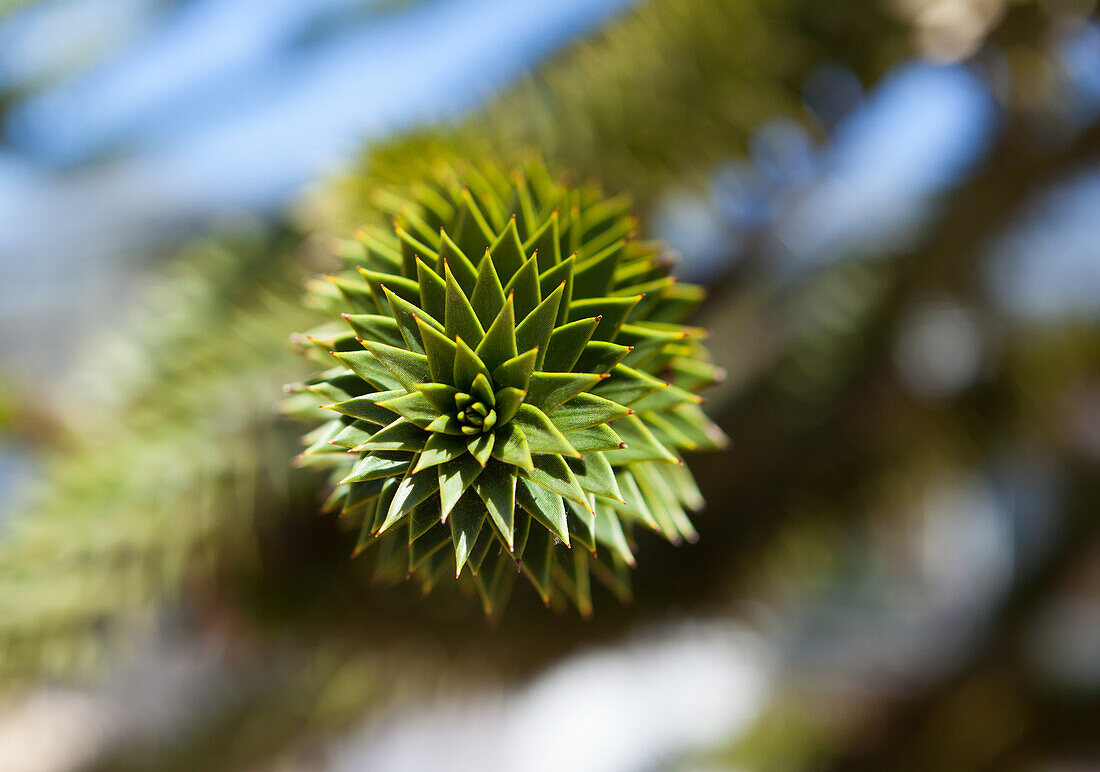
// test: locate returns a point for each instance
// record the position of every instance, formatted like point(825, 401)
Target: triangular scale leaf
point(588, 410)
point(566, 344)
point(454, 478)
point(507, 252)
point(554, 474)
point(433, 291)
point(541, 434)
point(549, 390)
point(367, 366)
point(497, 488)
point(544, 506)
point(466, 520)
point(524, 287)
point(516, 372)
point(439, 449)
point(460, 321)
point(488, 295)
point(535, 330)
point(402, 434)
point(440, 351)
point(499, 343)
point(409, 368)
point(367, 408)
point(412, 490)
point(468, 366)
point(511, 447)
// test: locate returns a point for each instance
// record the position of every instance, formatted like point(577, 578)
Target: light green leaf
point(440, 448)
point(499, 343)
point(454, 259)
point(414, 407)
point(374, 327)
point(641, 445)
point(366, 366)
point(480, 446)
point(535, 330)
point(440, 351)
point(541, 434)
point(588, 410)
point(488, 295)
point(412, 490)
point(466, 521)
point(402, 434)
point(408, 368)
point(367, 408)
point(613, 311)
point(524, 288)
point(511, 447)
point(507, 251)
point(433, 291)
point(497, 488)
point(549, 390)
point(566, 344)
point(508, 401)
point(544, 506)
point(594, 474)
point(406, 315)
point(454, 478)
point(554, 474)
point(554, 277)
point(600, 356)
point(516, 372)
point(383, 463)
point(595, 438)
point(468, 366)
point(460, 321)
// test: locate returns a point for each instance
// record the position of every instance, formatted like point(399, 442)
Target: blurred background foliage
point(893, 205)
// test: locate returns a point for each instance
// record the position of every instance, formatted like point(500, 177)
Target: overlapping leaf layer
point(512, 385)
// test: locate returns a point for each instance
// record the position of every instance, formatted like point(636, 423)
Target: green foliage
point(501, 379)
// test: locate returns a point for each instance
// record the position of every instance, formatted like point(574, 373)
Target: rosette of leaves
point(511, 386)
